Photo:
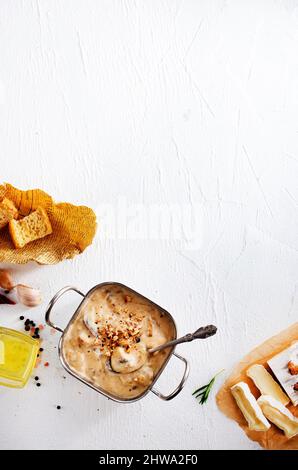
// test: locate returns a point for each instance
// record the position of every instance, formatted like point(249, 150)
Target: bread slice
point(34, 226)
point(8, 211)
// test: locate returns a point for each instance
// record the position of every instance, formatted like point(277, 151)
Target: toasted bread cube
point(34, 226)
point(8, 211)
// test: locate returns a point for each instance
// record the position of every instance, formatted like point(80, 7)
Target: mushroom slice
point(84, 338)
point(123, 361)
point(90, 321)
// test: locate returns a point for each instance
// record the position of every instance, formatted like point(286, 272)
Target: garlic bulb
point(6, 281)
point(28, 295)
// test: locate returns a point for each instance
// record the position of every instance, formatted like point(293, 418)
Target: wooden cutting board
point(274, 438)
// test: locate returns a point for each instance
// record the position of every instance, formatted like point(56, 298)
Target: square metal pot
point(99, 390)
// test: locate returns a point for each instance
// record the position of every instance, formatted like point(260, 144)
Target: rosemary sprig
point(203, 392)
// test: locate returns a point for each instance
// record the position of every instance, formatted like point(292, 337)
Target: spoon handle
point(201, 333)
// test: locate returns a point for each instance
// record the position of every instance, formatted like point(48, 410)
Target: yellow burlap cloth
point(274, 438)
point(73, 228)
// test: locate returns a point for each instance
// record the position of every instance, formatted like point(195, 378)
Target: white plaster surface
point(157, 103)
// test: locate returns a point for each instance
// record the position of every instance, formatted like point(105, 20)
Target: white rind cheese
point(279, 366)
point(249, 407)
point(266, 384)
point(279, 415)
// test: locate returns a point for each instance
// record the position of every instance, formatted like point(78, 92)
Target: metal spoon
point(201, 333)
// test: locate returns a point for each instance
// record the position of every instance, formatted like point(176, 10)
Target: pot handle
point(180, 386)
point(54, 300)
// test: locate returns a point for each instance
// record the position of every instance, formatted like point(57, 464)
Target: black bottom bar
point(131, 459)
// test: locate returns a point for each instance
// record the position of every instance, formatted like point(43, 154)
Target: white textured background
point(159, 102)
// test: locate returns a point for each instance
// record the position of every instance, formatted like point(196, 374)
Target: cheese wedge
point(266, 383)
point(279, 415)
point(249, 407)
point(279, 366)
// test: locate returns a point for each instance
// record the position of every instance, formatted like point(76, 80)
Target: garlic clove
point(28, 295)
point(6, 280)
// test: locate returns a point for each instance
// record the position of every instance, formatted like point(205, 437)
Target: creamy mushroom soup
point(108, 341)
